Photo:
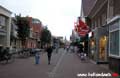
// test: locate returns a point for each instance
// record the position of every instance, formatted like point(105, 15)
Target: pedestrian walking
point(72, 49)
point(37, 58)
point(64, 47)
point(81, 48)
point(75, 49)
point(49, 53)
point(67, 48)
point(57, 49)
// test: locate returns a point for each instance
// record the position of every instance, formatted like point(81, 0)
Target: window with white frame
point(114, 43)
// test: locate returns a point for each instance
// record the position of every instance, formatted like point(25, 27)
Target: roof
point(5, 9)
point(87, 5)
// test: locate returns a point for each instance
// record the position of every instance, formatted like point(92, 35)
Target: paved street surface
point(63, 65)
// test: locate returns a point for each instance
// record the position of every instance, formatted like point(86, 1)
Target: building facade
point(5, 26)
point(104, 22)
point(35, 33)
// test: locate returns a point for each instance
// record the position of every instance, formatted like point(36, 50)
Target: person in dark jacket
point(81, 48)
point(1, 52)
point(49, 53)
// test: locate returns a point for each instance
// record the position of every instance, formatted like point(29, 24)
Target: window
point(98, 22)
point(103, 19)
point(2, 20)
point(35, 21)
point(111, 8)
point(93, 24)
point(31, 33)
point(114, 43)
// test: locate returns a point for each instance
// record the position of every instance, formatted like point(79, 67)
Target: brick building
point(103, 18)
point(35, 32)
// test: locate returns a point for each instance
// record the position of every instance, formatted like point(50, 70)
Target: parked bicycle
point(83, 56)
point(24, 52)
point(5, 55)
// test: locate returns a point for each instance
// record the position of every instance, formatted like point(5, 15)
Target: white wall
point(6, 39)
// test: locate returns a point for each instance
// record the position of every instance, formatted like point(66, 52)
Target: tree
point(23, 28)
point(45, 36)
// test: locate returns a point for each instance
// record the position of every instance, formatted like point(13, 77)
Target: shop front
point(92, 45)
point(98, 45)
point(114, 44)
point(103, 44)
point(102, 48)
point(92, 49)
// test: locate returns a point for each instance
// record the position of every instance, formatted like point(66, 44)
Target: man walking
point(49, 53)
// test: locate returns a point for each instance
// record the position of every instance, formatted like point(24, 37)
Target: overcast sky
point(59, 15)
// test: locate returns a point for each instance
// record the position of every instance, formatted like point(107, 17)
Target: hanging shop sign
point(81, 28)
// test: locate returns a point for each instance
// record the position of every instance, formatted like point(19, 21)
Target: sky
point(58, 15)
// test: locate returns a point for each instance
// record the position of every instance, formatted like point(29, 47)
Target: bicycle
point(6, 58)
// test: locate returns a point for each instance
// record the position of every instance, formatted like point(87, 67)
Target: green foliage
point(23, 28)
point(45, 36)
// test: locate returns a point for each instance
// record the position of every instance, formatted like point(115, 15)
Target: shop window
point(92, 47)
point(114, 43)
point(102, 48)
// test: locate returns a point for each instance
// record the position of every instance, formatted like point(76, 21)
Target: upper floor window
point(98, 22)
point(95, 23)
point(104, 19)
point(35, 21)
point(2, 20)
